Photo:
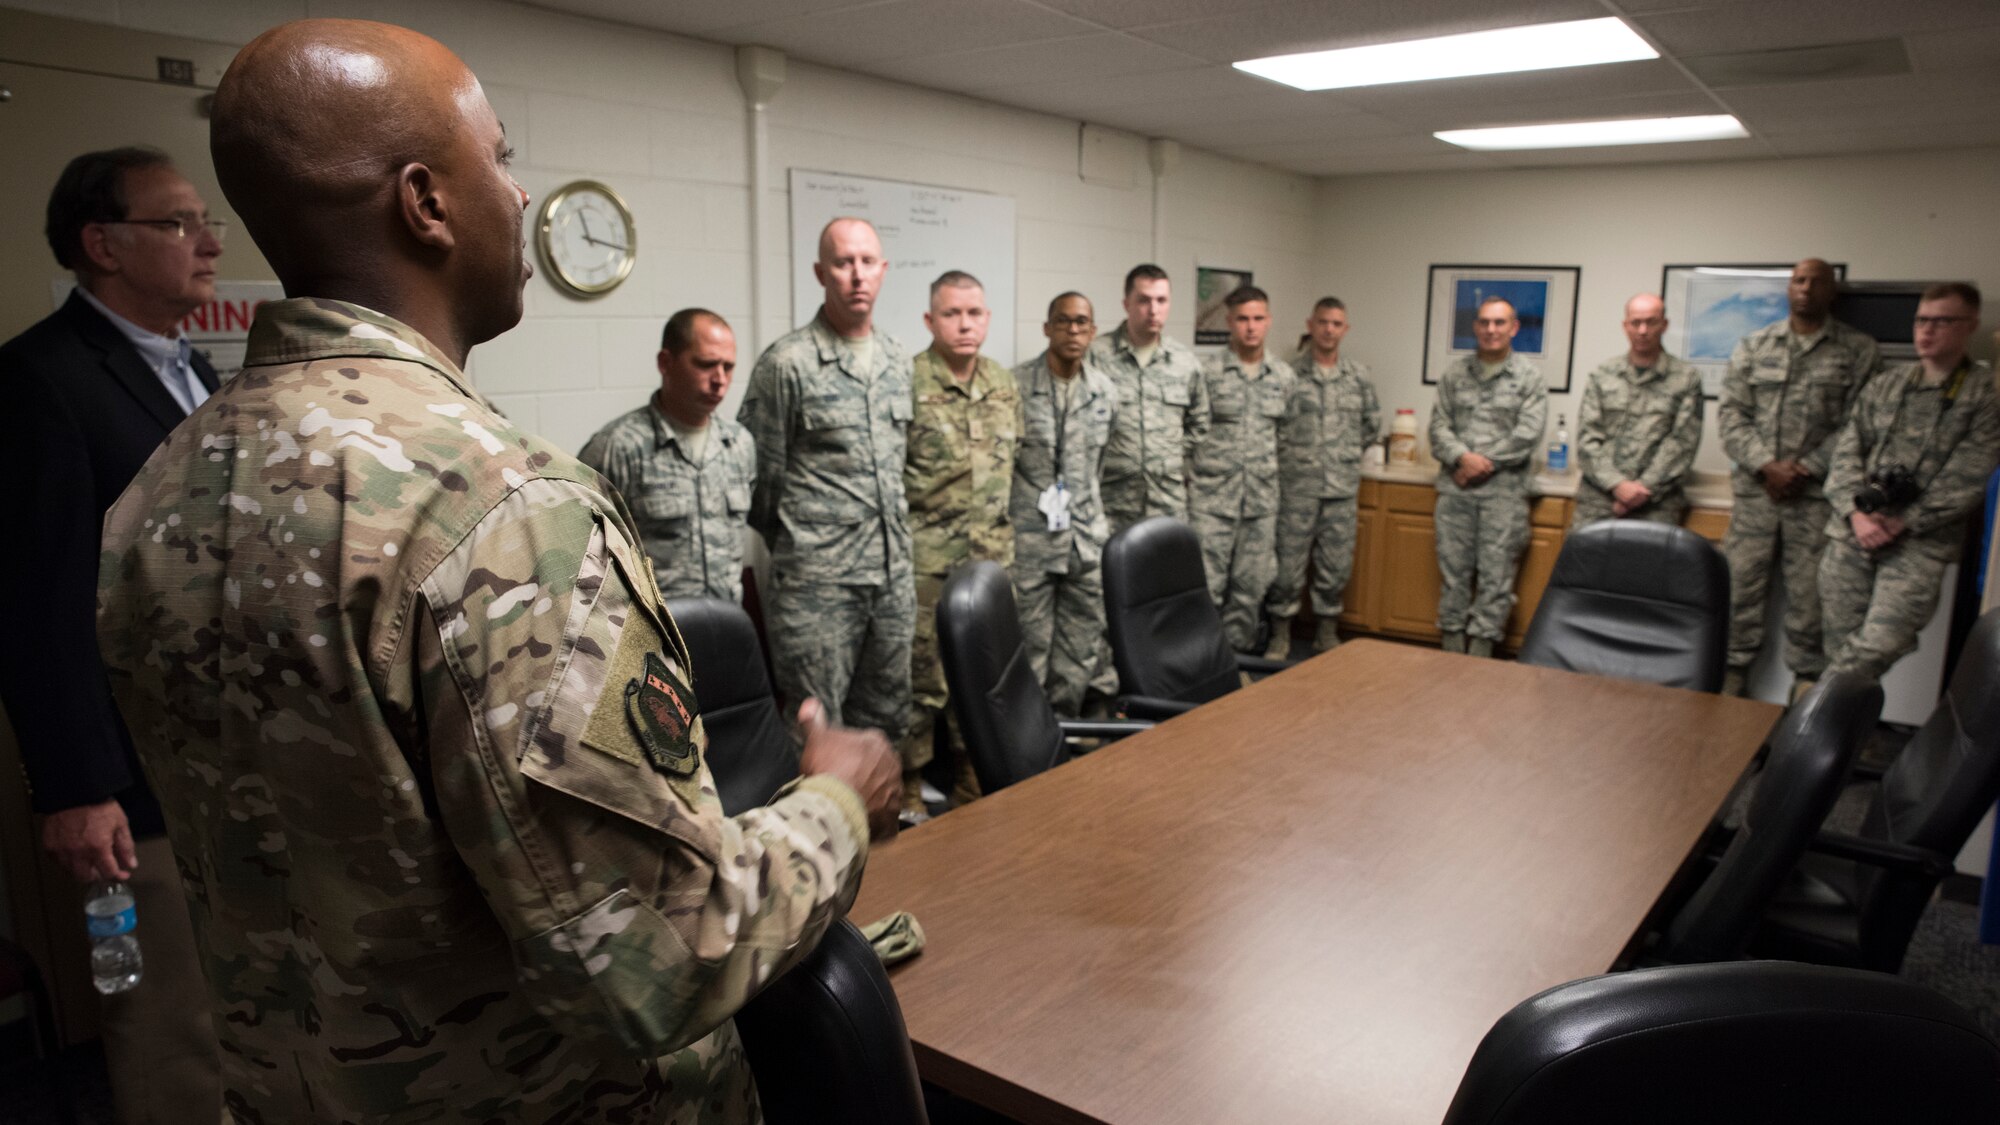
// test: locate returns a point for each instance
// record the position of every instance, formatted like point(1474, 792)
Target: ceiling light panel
point(1598, 134)
point(1501, 51)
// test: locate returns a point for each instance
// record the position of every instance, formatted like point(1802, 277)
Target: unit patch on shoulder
point(656, 704)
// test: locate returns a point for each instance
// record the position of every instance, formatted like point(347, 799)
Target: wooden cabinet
point(1548, 520)
point(1360, 604)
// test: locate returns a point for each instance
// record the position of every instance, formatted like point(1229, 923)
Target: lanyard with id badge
point(1054, 501)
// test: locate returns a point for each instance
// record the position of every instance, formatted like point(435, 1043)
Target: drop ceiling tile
point(1331, 153)
point(1104, 55)
point(1804, 23)
point(698, 19)
point(911, 28)
point(1900, 137)
point(1863, 103)
point(1259, 132)
point(1141, 13)
point(1314, 25)
point(1962, 48)
point(1378, 165)
point(1091, 94)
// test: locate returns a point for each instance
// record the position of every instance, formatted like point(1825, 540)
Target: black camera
point(1888, 487)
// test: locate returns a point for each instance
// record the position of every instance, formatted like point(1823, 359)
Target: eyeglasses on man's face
point(182, 226)
point(1071, 323)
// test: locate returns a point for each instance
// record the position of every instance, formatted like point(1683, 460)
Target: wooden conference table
point(1307, 901)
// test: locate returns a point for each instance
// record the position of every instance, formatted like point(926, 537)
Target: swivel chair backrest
point(1734, 1043)
point(1636, 601)
point(1937, 790)
point(750, 753)
point(1166, 636)
point(1811, 753)
point(826, 1041)
point(1003, 714)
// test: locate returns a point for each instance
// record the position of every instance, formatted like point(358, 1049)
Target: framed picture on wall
point(1212, 284)
point(1709, 308)
point(1544, 297)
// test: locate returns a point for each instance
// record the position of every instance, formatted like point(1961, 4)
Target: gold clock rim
point(543, 243)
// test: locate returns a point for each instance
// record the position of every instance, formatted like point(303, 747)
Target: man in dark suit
point(94, 388)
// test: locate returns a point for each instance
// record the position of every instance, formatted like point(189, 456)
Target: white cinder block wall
point(1923, 215)
point(662, 120)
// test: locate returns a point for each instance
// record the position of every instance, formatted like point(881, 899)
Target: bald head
point(850, 269)
point(1811, 292)
point(1645, 322)
point(355, 149)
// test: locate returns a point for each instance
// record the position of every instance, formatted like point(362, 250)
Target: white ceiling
point(1161, 68)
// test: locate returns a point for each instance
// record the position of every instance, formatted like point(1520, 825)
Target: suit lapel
point(121, 360)
point(203, 370)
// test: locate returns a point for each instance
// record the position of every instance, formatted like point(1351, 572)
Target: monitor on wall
point(1886, 310)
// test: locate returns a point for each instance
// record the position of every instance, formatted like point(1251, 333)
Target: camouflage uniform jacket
point(1236, 461)
point(1162, 413)
point(1785, 398)
point(1499, 416)
point(1951, 447)
point(691, 516)
point(422, 731)
point(1066, 445)
point(830, 454)
point(961, 464)
point(1334, 415)
point(1639, 425)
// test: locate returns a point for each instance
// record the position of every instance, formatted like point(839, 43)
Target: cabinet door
point(1544, 544)
point(1360, 605)
point(1410, 579)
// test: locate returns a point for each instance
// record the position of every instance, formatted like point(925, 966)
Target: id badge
point(1054, 504)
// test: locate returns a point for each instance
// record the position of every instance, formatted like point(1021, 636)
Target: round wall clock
point(587, 238)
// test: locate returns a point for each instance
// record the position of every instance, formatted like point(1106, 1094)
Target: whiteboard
point(925, 231)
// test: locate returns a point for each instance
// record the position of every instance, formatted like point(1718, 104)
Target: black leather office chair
point(1855, 900)
point(750, 753)
point(1166, 635)
point(1811, 753)
point(1737, 1043)
point(1003, 714)
point(1636, 601)
point(826, 1041)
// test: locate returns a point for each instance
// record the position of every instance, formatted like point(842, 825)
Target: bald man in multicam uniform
point(400, 675)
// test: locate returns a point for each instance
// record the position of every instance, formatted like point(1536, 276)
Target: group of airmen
point(872, 475)
point(404, 685)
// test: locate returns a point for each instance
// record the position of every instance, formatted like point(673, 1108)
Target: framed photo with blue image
point(1544, 298)
point(1710, 308)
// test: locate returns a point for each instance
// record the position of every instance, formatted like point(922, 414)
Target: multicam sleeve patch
point(578, 796)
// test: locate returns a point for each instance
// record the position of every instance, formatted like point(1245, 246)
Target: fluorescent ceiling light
point(1595, 134)
point(1501, 51)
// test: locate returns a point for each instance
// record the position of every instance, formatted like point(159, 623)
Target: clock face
point(588, 238)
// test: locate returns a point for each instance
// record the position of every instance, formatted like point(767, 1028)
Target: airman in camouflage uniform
point(961, 465)
point(829, 406)
point(1787, 392)
point(401, 678)
point(1638, 428)
point(1939, 418)
point(511, 724)
point(1490, 412)
point(1068, 409)
point(1233, 485)
point(1162, 406)
point(1334, 416)
point(688, 486)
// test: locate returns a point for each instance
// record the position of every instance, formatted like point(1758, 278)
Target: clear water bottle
point(111, 917)
point(1559, 448)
